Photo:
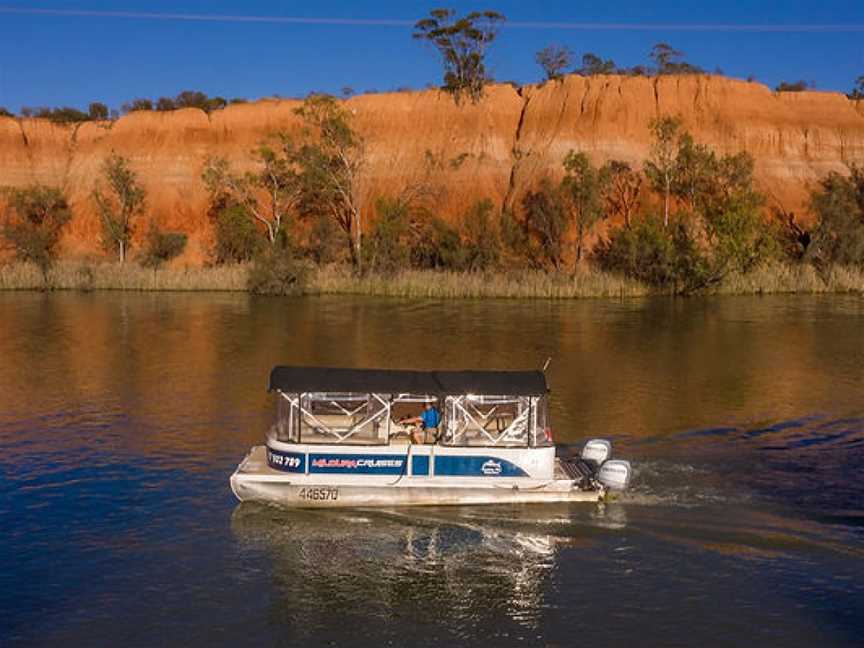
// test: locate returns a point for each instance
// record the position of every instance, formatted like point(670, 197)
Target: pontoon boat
point(341, 439)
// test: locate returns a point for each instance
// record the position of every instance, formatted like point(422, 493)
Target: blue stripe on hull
point(420, 465)
point(476, 466)
point(389, 464)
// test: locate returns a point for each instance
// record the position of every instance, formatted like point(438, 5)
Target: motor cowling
point(615, 474)
point(597, 451)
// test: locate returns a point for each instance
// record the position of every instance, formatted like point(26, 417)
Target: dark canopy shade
point(386, 381)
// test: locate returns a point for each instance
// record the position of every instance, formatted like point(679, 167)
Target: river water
point(123, 415)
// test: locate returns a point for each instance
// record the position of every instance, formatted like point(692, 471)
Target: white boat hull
point(255, 480)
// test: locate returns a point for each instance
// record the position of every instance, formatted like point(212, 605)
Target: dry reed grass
point(792, 278)
point(420, 284)
point(427, 284)
point(68, 275)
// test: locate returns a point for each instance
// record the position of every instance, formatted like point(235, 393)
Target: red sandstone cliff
point(496, 149)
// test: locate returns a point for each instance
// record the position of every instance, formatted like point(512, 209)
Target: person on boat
point(426, 423)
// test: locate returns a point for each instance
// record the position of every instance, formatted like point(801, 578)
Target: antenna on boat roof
point(546, 364)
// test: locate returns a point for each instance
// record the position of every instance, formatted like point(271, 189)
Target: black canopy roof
point(388, 381)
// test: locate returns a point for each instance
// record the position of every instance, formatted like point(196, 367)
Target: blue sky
point(72, 60)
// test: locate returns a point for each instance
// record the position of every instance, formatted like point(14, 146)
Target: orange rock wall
point(496, 149)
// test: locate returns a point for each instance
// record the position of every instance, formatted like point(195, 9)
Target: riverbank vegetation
point(685, 221)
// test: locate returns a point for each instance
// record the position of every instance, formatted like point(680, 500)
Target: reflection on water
point(364, 566)
point(121, 417)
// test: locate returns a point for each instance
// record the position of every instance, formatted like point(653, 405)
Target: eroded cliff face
point(497, 149)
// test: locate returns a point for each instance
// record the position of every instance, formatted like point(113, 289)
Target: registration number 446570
point(319, 494)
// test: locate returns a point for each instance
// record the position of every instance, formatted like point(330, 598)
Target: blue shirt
point(430, 418)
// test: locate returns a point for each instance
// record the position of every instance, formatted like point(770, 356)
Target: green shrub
point(838, 238)
point(97, 111)
point(436, 245)
point(687, 256)
point(237, 237)
point(482, 242)
point(161, 247)
point(35, 222)
point(62, 115)
point(645, 252)
point(137, 104)
point(797, 86)
point(387, 246)
point(326, 241)
point(277, 271)
point(538, 237)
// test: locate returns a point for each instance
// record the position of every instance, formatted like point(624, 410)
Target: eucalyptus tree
point(329, 164)
point(622, 190)
point(269, 194)
point(660, 168)
point(462, 43)
point(670, 61)
point(583, 187)
point(554, 60)
point(593, 65)
point(120, 204)
point(98, 111)
point(857, 93)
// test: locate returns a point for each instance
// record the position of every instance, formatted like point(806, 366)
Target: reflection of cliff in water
point(192, 368)
point(471, 566)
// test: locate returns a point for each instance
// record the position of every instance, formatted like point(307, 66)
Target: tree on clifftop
point(669, 60)
point(857, 93)
point(797, 86)
point(98, 111)
point(137, 104)
point(462, 43)
point(593, 65)
point(554, 60)
point(120, 205)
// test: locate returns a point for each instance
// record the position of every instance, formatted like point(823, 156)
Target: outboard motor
point(583, 469)
point(597, 451)
point(615, 474)
point(594, 468)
